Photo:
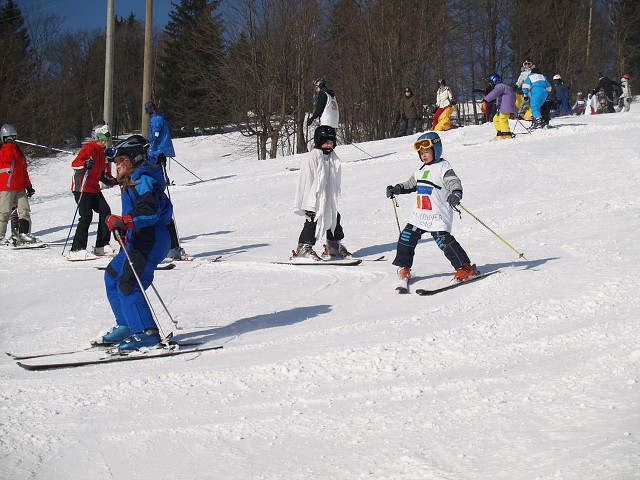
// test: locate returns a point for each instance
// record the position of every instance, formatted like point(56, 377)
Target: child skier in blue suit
point(537, 87)
point(146, 212)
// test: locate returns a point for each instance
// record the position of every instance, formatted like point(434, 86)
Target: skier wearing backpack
point(606, 84)
point(317, 193)
point(505, 99)
point(143, 228)
point(439, 191)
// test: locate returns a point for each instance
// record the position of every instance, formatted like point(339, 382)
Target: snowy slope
point(327, 373)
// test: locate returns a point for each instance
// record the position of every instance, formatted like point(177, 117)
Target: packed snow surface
point(326, 372)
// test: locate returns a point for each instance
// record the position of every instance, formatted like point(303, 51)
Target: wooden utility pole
point(146, 76)
point(589, 34)
point(108, 66)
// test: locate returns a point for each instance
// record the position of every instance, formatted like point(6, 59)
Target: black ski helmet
point(322, 134)
point(135, 147)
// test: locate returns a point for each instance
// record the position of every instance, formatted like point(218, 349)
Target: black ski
point(93, 346)
point(115, 358)
point(423, 291)
point(347, 262)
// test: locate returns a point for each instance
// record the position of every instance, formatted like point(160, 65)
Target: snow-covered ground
point(327, 373)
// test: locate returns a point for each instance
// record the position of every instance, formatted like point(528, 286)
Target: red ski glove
point(121, 224)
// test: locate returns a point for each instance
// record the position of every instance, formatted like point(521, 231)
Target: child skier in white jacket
point(317, 195)
point(438, 190)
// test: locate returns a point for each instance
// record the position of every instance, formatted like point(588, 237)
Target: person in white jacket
point(624, 102)
point(443, 101)
point(317, 195)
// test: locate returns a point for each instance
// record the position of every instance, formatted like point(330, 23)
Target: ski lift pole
point(73, 221)
point(394, 202)
point(520, 255)
point(172, 158)
point(44, 146)
point(116, 234)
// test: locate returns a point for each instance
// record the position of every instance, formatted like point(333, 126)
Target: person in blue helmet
point(143, 228)
point(439, 191)
point(505, 99)
point(538, 88)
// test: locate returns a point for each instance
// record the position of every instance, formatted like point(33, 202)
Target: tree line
point(249, 65)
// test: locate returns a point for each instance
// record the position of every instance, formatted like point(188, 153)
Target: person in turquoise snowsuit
point(537, 87)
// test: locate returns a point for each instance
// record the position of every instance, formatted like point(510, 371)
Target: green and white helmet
point(100, 132)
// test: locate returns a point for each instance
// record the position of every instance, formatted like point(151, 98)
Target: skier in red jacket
point(15, 187)
point(90, 168)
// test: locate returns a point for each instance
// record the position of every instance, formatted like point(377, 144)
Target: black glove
point(454, 198)
point(162, 159)
point(393, 190)
point(525, 97)
point(311, 216)
point(309, 122)
point(30, 191)
point(88, 164)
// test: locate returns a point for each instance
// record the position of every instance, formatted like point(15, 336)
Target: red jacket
point(13, 168)
point(98, 173)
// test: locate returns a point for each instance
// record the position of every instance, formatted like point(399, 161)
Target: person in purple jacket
point(505, 99)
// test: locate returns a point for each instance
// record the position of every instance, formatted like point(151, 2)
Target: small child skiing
point(581, 104)
point(439, 191)
point(505, 99)
point(317, 195)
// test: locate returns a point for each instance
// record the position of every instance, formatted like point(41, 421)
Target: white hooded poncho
point(318, 189)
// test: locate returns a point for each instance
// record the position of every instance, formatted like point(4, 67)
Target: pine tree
point(189, 77)
point(14, 63)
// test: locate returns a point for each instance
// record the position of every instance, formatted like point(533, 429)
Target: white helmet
point(557, 77)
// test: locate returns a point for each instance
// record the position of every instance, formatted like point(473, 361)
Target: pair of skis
point(403, 286)
point(34, 362)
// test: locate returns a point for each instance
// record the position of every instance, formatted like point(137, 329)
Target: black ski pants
point(87, 204)
point(308, 234)
point(446, 242)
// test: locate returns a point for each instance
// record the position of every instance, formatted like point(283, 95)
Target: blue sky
point(92, 14)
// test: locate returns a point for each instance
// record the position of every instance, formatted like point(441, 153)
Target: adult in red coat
point(15, 186)
point(89, 169)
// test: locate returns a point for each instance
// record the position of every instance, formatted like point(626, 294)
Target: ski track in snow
point(327, 372)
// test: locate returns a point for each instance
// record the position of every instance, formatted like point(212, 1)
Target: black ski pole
point(172, 158)
point(84, 181)
point(116, 234)
point(173, 214)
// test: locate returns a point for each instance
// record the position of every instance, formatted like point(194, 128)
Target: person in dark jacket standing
point(606, 84)
point(560, 94)
point(410, 112)
point(326, 105)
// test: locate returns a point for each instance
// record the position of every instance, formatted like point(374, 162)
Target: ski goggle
point(425, 143)
point(9, 139)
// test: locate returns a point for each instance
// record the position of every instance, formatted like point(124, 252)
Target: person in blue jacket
point(160, 143)
point(537, 87)
point(161, 147)
point(143, 228)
